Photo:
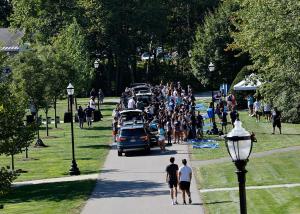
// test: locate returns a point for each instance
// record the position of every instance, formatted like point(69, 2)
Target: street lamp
point(74, 169)
point(211, 68)
point(239, 145)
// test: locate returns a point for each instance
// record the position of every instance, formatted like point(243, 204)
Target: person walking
point(172, 179)
point(88, 112)
point(161, 137)
point(276, 120)
point(257, 110)
point(81, 116)
point(184, 178)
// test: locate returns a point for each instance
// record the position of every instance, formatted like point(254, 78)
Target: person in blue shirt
point(250, 101)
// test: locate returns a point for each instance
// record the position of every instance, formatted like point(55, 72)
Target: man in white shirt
point(185, 177)
point(131, 103)
point(257, 110)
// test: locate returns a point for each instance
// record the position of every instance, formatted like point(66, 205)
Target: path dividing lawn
point(277, 169)
point(91, 149)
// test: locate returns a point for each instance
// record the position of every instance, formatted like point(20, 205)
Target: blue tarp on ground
point(201, 141)
point(200, 107)
point(206, 146)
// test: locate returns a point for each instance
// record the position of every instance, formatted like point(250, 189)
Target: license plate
point(132, 140)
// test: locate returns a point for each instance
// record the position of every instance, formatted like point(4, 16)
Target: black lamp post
point(74, 169)
point(211, 68)
point(239, 145)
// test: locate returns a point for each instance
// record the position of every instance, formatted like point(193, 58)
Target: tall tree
point(5, 11)
point(211, 45)
point(270, 33)
point(42, 20)
point(30, 79)
point(15, 136)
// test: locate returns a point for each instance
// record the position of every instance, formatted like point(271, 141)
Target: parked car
point(138, 84)
point(130, 116)
point(133, 138)
point(145, 97)
point(145, 56)
point(143, 88)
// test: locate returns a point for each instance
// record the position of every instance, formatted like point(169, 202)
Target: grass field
point(271, 201)
point(281, 168)
point(91, 149)
point(64, 198)
point(266, 141)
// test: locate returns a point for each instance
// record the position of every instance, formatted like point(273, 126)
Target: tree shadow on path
point(139, 188)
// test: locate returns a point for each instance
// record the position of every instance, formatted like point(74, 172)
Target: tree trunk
point(39, 142)
point(47, 127)
point(76, 102)
point(55, 122)
point(26, 152)
point(12, 163)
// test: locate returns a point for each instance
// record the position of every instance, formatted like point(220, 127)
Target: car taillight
point(144, 138)
point(122, 139)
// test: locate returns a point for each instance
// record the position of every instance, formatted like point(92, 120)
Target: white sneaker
point(173, 203)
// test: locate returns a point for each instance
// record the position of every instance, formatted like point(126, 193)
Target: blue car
point(131, 138)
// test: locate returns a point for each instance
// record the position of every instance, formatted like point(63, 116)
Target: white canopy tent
point(250, 83)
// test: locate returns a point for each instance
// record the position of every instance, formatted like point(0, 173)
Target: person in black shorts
point(185, 177)
point(171, 179)
point(276, 120)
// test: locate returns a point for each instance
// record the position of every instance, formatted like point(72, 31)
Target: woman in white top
point(92, 103)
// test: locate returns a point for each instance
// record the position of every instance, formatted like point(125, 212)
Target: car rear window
point(133, 132)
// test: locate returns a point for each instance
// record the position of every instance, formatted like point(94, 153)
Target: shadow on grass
point(95, 146)
point(99, 128)
point(49, 192)
point(139, 188)
point(217, 202)
point(110, 103)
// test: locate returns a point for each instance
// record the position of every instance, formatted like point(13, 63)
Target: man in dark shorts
point(185, 177)
point(172, 174)
point(276, 120)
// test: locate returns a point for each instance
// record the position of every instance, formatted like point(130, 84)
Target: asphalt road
point(136, 185)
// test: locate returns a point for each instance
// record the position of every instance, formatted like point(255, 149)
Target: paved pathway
point(136, 185)
point(254, 155)
point(251, 187)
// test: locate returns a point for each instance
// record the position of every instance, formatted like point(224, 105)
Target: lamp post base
point(74, 169)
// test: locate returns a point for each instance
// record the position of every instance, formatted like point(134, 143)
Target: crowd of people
point(258, 108)
point(172, 107)
point(87, 114)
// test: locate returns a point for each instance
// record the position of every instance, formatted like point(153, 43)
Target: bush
point(6, 178)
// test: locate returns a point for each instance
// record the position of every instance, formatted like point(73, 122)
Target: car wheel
point(119, 153)
point(147, 150)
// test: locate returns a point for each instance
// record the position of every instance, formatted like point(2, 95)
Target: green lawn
point(271, 201)
point(64, 197)
point(266, 141)
point(91, 149)
point(281, 168)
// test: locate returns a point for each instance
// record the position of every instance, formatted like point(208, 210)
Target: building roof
point(10, 39)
